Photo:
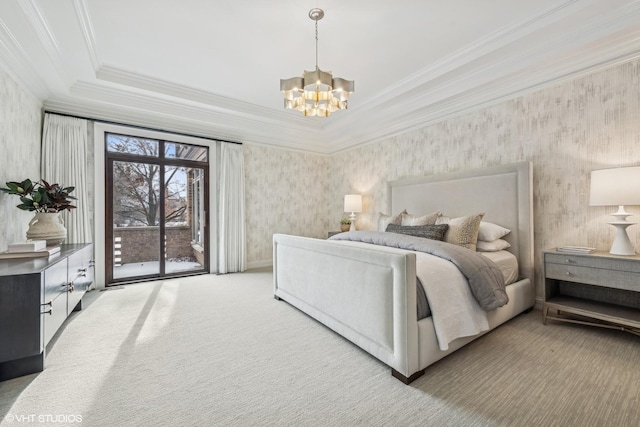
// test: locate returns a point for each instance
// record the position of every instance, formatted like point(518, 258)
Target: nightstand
point(596, 289)
point(332, 233)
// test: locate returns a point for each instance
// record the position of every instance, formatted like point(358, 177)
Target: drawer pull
point(569, 260)
point(50, 304)
point(568, 273)
point(82, 270)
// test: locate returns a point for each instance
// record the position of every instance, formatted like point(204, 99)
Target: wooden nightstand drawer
point(594, 276)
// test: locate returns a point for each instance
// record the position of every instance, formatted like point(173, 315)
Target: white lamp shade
point(615, 187)
point(353, 203)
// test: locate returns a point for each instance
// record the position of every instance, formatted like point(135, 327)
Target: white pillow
point(430, 219)
point(384, 220)
point(489, 232)
point(493, 246)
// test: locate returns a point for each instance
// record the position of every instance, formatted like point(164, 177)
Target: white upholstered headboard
point(504, 193)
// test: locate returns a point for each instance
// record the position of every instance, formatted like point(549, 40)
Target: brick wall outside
point(140, 244)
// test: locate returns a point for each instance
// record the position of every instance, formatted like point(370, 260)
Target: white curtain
point(232, 253)
point(64, 161)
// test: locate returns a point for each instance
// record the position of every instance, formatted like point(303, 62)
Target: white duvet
point(454, 310)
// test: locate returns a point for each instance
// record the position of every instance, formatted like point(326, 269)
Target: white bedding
point(507, 262)
point(455, 311)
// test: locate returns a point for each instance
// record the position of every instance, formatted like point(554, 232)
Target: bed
point(368, 293)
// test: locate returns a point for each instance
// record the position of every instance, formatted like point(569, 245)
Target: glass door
point(157, 193)
point(184, 219)
point(136, 214)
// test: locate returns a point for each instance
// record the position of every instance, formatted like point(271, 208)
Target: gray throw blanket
point(484, 276)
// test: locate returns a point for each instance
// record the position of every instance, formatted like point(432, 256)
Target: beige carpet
point(219, 351)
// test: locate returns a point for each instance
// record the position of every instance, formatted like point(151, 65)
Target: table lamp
point(617, 187)
point(353, 204)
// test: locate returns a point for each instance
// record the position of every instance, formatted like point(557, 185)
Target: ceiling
point(212, 68)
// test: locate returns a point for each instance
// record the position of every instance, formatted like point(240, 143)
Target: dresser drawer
point(80, 274)
point(55, 314)
point(593, 276)
point(55, 281)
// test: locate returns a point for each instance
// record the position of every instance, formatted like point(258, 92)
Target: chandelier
point(316, 93)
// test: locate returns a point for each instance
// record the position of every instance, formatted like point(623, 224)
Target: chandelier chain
point(316, 44)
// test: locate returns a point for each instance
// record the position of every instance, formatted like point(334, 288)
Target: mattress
point(507, 262)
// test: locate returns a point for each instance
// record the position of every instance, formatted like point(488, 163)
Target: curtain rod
point(110, 122)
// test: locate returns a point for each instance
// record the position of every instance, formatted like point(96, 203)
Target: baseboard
point(260, 264)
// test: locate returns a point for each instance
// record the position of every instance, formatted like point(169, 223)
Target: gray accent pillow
point(433, 232)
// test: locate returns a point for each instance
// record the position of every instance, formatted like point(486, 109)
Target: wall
point(20, 135)
point(566, 131)
point(285, 192)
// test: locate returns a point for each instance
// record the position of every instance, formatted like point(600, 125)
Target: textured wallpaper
point(286, 192)
point(565, 131)
point(20, 124)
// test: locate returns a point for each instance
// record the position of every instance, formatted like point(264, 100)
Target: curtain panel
point(64, 161)
point(232, 253)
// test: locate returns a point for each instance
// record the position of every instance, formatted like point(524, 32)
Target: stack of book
point(575, 249)
point(30, 249)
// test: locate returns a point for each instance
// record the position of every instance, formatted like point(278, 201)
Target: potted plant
point(47, 201)
point(345, 224)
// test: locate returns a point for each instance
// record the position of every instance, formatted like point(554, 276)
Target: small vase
point(47, 226)
point(345, 227)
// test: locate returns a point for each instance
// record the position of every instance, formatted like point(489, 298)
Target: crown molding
point(501, 66)
point(210, 100)
point(121, 105)
point(487, 81)
point(484, 46)
point(496, 92)
point(562, 43)
point(88, 34)
point(46, 38)
point(280, 126)
point(17, 65)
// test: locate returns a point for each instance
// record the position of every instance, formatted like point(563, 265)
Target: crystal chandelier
point(316, 93)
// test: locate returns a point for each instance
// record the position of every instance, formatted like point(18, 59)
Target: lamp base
point(621, 243)
point(352, 218)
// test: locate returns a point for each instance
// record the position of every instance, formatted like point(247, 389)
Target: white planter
point(47, 226)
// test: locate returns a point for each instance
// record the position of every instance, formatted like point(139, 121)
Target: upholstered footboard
point(365, 293)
